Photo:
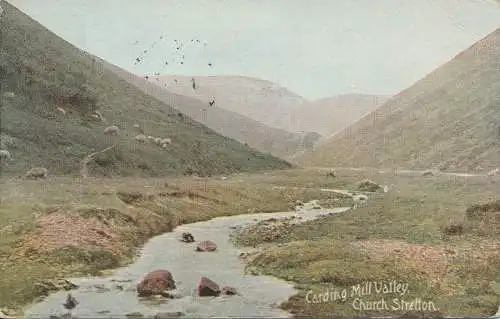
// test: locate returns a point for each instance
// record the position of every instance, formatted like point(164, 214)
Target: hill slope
point(330, 115)
point(228, 123)
point(40, 72)
point(451, 118)
point(258, 99)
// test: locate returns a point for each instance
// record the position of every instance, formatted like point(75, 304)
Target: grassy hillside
point(450, 119)
point(228, 123)
point(258, 99)
point(41, 72)
point(330, 115)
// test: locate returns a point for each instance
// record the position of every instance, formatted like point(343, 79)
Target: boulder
point(229, 291)
point(206, 245)
point(208, 288)
point(187, 238)
point(155, 283)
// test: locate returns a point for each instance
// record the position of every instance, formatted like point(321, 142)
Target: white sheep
point(5, 155)
point(151, 137)
point(37, 172)
point(137, 126)
point(164, 145)
point(112, 130)
point(158, 141)
point(99, 116)
point(166, 141)
point(359, 199)
point(388, 187)
point(141, 138)
point(61, 110)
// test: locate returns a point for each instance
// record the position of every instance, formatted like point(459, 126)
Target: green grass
point(320, 255)
point(133, 209)
point(45, 72)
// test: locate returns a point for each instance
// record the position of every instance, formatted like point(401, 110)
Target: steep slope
point(331, 115)
point(451, 118)
point(41, 72)
point(228, 123)
point(258, 99)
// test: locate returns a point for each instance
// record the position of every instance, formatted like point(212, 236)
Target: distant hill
point(40, 72)
point(258, 99)
point(228, 123)
point(333, 114)
point(450, 119)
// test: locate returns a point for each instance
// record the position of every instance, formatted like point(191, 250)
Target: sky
point(315, 48)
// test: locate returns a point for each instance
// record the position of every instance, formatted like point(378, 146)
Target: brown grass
point(398, 236)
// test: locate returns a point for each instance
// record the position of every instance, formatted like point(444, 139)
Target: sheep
point(359, 199)
point(388, 187)
point(166, 141)
point(151, 137)
point(63, 111)
point(5, 155)
point(158, 141)
point(37, 172)
point(141, 138)
point(112, 130)
point(98, 116)
point(164, 145)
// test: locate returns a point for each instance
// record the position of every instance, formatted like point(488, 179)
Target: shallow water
point(260, 295)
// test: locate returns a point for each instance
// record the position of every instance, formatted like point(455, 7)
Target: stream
point(115, 296)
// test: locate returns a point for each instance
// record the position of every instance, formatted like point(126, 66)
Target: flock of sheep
point(42, 172)
point(141, 137)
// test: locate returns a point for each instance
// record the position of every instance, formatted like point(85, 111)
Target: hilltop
point(226, 122)
point(449, 119)
point(50, 93)
point(330, 115)
point(258, 99)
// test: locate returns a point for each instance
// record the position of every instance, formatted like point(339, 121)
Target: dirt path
point(84, 170)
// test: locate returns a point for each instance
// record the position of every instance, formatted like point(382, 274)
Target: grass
point(399, 236)
point(448, 119)
point(44, 72)
point(66, 227)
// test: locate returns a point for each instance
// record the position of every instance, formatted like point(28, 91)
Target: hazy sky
point(316, 48)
